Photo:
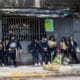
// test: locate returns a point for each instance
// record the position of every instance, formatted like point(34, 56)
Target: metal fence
point(24, 27)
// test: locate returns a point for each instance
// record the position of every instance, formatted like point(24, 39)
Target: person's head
point(71, 38)
point(43, 38)
point(13, 37)
point(63, 39)
point(52, 38)
point(35, 40)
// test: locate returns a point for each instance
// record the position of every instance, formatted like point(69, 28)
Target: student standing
point(72, 49)
point(14, 45)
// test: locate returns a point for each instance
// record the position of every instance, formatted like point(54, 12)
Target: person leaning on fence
point(14, 45)
point(72, 49)
point(44, 47)
point(64, 50)
point(52, 47)
point(33, 48)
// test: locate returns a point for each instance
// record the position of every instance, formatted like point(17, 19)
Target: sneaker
point(49, 63)
point(39, 64)
point(36, 64)
point(44, 63)
point(2, 65)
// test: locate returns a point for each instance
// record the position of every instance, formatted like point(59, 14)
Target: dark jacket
point(33, 47)
point(43, 44)
point(18, 45)
point(72, 47)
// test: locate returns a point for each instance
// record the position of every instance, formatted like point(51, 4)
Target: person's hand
point(45, 49)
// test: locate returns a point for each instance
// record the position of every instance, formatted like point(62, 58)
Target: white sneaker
point(49, 63)
point(44, 63)
point(39, 64)
point(36, 64)
point(2, 64)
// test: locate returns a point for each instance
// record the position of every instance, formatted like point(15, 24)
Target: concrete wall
point(62, 27)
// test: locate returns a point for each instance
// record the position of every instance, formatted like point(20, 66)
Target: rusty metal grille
point(24, 27)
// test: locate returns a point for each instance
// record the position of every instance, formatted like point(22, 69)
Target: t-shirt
point(51, 44)
point(63, 46)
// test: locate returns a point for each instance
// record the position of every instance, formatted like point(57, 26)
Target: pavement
point(35, 72)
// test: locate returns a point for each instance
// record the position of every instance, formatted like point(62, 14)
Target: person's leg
point(37, 57)
point(54, 55)
point(63, 56)
point(14, 57)
point(49, 54)
point(67, 53)
point(34, 54)
point(7, 53)
point(74, 57)
point(1, 58)
point(44, 58)
point(4, 57)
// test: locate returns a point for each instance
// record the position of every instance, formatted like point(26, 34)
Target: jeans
point(12, 57)
point(65, 53)
point(35, 55)
point(52, 56)
point(73, 55)
point(1, 57)
point(45, 57)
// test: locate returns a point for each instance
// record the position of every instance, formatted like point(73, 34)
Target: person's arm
point(19, 44)
point(46, 43)
point(76, 44)
point(30, 47)
point(40, 44)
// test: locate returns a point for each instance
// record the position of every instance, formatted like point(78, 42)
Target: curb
point(38, 75)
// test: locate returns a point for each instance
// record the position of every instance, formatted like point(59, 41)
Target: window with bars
point(25, 28)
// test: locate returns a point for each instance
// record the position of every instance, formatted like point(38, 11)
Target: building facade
point(26, 19)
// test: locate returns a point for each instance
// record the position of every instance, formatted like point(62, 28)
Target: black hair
point(65, 40)
point(52, 37)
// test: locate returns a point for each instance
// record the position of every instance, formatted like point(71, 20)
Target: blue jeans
point(12, 57)
point(45, 57)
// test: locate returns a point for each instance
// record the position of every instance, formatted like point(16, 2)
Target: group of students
point(46, 47)
point(8, 48)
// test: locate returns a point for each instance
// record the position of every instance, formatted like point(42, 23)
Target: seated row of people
point(46, 47)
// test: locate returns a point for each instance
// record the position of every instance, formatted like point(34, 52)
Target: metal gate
point(24, 27)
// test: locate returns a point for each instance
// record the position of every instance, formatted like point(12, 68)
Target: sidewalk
point(32, 71)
